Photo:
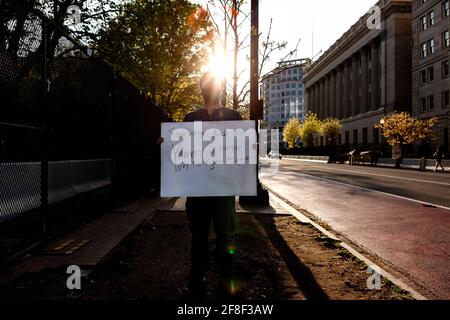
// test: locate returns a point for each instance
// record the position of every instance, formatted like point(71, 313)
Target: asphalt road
point(432, 187)
point(400, 216)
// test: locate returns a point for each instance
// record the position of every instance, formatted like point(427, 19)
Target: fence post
point(44, 144)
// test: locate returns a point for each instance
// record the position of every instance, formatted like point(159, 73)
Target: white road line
point(383, 175)
point(367, 189)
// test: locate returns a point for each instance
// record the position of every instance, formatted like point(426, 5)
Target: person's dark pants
point(221, 212)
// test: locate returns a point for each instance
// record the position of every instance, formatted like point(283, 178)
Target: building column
point(309, 99)
point(339, 91)
point(347, 89)
point(313, 99)
point(364, 80)
point(327, 96)
point(355, 85)
point(333, 93)
point(375, 84)
point(322, 98)
point(317, 98)
point(382, 75)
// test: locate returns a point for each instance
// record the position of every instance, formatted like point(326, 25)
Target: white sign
point(206, 159)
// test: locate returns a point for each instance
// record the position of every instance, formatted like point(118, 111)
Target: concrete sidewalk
point(89, 244)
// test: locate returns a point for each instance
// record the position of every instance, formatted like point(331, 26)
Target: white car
point(274, 155)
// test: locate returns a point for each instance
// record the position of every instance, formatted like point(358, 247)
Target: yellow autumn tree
point(329, 128)
point(310, 126)
point(291, 132)
point(402, 128)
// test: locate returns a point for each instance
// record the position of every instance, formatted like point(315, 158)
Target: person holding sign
point(202, 211)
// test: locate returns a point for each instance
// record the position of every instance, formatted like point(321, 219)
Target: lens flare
point(231, 249)
point(219, 63)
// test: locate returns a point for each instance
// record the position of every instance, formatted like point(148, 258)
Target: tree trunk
point(397, 154)
point(235, 53)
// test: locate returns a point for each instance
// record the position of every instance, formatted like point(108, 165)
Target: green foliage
point(291, 132)
point(160, 46)
point(402, 128)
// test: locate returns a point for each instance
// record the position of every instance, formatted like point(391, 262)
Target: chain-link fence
point(68, 123)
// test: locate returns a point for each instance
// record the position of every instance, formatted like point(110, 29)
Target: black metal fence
point(68, 123)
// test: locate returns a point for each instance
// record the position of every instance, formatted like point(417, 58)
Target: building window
point(423, 104)
point(445, 39)
point(423, 77)
point(445, 69)
point(445, 9)
point(427, 76)
point(430, 102)
point(423, 50)
point(430, 17)
point(445, 99)
point(423, 21)
point(347, 137)
point(355, 137)
point(431, 46)
point(365, 134)
point(430, 74)
point(376, 136)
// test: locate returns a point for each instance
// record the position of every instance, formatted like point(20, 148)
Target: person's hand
point(160, 140)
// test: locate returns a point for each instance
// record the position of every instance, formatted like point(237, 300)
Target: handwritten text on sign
point(201, 159)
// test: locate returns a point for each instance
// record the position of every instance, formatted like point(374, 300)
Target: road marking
point(382, 175)
point(367, 189)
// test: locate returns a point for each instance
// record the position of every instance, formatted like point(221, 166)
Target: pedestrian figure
point(220, 211)
point(439, 155)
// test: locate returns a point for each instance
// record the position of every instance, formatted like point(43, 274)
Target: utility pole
point(255, 106)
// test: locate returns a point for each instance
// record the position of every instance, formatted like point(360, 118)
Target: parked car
point(274, 155)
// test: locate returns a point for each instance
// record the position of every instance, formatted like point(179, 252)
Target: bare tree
point(234, 17)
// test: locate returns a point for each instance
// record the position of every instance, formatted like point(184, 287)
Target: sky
point(295, 19)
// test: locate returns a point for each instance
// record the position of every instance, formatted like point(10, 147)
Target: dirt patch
point(278, 259)
point(154, 263)
point(332, 272)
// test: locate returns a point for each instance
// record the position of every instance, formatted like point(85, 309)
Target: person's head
point(211, 87)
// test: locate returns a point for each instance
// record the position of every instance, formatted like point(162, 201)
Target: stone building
point(430, 65)
point(364, 75)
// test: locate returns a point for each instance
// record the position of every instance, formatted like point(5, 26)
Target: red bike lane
point(412, 236)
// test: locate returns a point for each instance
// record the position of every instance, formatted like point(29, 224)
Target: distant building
point(430, 64)
point(283, 93)
point(364, 75)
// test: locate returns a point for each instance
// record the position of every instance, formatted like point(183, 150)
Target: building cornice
point(355, 33)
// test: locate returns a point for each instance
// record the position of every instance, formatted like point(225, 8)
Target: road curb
point(304, 219)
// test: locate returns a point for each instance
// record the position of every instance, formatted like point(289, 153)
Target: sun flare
point(219, 63)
